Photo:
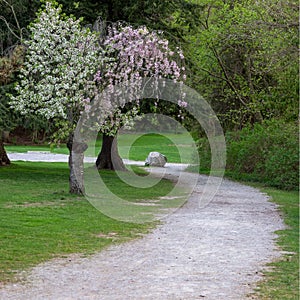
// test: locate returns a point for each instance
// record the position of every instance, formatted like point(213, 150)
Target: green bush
point(265, 153)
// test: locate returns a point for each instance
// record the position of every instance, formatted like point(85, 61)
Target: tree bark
point(76, 155)
point(4, 160)
point(109, 157)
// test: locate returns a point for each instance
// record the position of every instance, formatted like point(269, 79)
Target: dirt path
point(216, 252)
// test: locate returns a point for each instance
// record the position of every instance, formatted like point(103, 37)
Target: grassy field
point(47, 148)
point(177, 147)
point(40, 220)
point(282, 282)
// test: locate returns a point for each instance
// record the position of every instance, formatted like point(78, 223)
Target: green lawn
point(177, 147)
point(47, 148)
point(282, 282)
point(40, 220)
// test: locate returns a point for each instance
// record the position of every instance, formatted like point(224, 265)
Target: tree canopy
point(243, 58)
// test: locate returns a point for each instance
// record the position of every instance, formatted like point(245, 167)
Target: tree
point(65, 64)
point(14, 18)
point(9, 65)
point(133, 53)
point(244, 59)
point(56, 77)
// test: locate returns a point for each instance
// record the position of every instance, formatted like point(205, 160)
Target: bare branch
point(214, 75)
point(230, 83)
point(9, 28)
point(20, 37)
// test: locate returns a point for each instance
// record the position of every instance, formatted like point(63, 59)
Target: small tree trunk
point(76, 155)
point(109, 157)
point(4, 160)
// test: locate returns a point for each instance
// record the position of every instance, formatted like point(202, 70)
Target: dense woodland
point(241, 55)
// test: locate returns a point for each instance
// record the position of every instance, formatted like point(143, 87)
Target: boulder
point(156, 159)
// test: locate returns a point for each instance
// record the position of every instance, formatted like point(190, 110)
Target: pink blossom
point(182, 103)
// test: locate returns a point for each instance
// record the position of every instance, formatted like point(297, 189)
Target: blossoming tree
point(133, 53)
point(67, 66)
point(60, 63)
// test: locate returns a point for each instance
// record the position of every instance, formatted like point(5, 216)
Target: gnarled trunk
point(76, 155)
point(4, 160)
point(109, 157)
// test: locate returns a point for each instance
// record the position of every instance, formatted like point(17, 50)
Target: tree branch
point(230, 83)
point(16, 20)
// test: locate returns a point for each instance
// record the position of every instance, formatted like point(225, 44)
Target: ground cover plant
point(280, 283)
point(40, 220)
point(177, 147)
point(43, 148)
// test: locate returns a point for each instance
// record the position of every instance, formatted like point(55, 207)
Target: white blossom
point(61, 58)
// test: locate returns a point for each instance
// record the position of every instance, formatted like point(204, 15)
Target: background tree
point(61, 59)
point(244, 59)
point(8, 67)
point(14, 18)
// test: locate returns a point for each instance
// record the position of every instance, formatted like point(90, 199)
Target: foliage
point(62, 58)
point(14, 18)
point(155, 14)
point(269, 152)
point(12, 33)
point(265, 153)
point(8, 119)
point(9, 66)
point(243, 56)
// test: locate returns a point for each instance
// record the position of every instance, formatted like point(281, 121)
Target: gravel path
point(216, 252)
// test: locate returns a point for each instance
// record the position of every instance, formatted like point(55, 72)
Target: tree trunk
point(76, 155)
point(109, 157)
point(4, 160)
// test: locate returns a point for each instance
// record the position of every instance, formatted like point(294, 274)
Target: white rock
point(156, 159)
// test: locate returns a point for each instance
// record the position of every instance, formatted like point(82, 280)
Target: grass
point(282, 282)
point(177, 147)
point(40, 220)
point(23, 149)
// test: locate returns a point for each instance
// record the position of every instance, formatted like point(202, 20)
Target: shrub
point(265, 152)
